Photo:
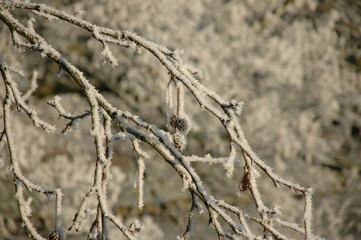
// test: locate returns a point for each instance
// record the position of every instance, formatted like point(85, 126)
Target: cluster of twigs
point(229, 221)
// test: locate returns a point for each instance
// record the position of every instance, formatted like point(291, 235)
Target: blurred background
point(295, 64)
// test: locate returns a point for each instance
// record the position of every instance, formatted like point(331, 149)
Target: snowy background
point(295, 64)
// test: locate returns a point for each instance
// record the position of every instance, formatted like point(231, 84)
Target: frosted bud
point(179, 141)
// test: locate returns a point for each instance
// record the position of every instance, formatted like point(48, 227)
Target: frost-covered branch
point(229, 221)
point(73, 119)
point(20, 100)
point(20, 180)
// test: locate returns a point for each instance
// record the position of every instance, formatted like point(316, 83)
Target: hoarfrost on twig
point(170, 146)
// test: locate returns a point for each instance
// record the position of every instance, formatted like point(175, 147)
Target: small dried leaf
point(244, 184)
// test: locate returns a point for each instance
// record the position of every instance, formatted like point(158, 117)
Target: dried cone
point(173, 120)
point(180, 124)
point(179, 141)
